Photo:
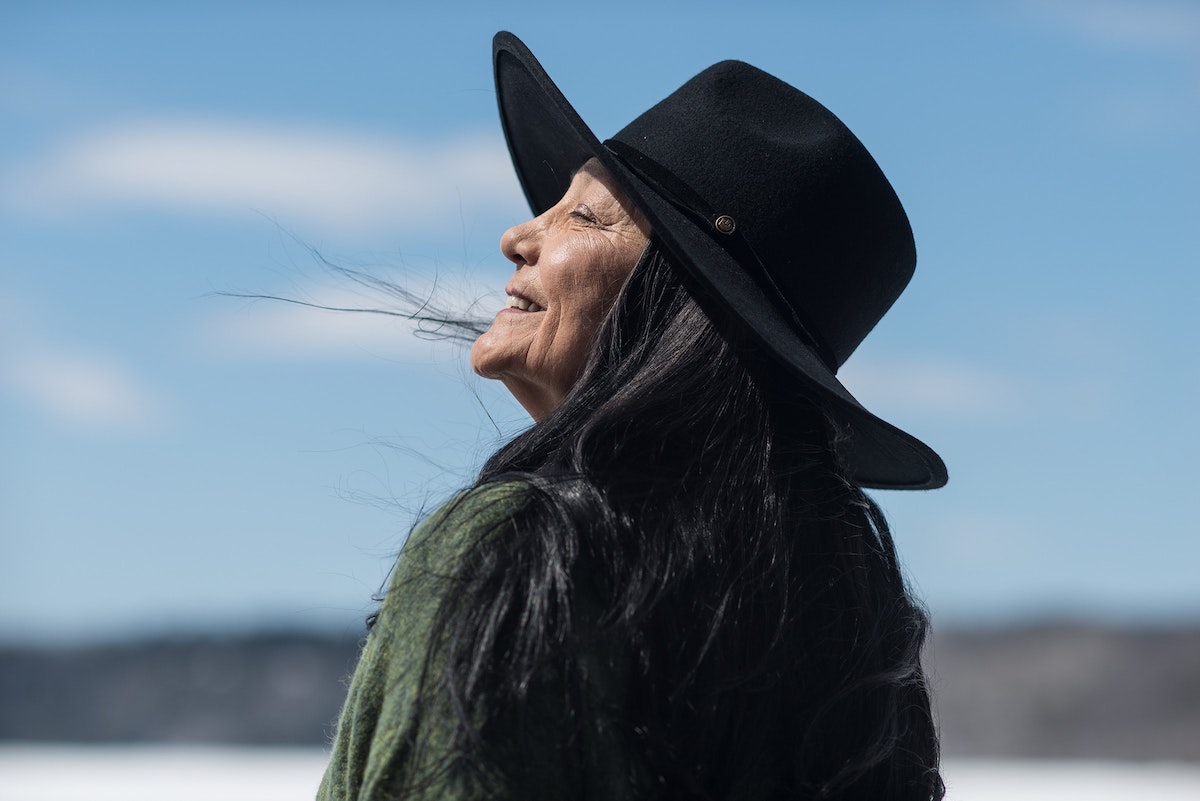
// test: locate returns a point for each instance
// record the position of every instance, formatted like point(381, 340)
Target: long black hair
point(691, 531)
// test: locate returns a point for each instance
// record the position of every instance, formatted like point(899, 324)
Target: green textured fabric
point(381, 746)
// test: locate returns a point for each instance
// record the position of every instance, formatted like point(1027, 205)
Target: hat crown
point(804, 194)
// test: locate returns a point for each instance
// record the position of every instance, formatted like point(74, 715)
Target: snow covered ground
point(154, 773)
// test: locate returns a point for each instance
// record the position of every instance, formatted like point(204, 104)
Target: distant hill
point(1044, 691)
point(271, 688)
point(1069, 691)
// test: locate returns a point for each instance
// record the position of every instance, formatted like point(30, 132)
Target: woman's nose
point(519, 244)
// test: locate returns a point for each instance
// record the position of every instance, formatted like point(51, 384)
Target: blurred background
point(200, 494)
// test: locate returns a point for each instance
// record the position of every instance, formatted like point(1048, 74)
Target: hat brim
point(548, 142)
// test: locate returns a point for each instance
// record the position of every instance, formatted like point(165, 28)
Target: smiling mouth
point(516, 302)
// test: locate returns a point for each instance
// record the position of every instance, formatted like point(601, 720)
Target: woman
point(672, 585)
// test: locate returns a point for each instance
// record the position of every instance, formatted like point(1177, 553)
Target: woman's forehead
point(593, 170)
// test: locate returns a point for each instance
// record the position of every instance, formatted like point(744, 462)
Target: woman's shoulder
point(475, 511)
point(444, 538)
point(381, 717)
point(484, 506)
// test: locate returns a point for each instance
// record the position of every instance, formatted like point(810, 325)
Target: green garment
point(377, 751)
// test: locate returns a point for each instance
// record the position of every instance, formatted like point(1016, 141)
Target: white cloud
point(81, 389)
point(1131, 110)
point(1073, 380)
point(335, 181)
point(1152, 24)
point(1138, 115)
point(983, 537)
point(930, 386)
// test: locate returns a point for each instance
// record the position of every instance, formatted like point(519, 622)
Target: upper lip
point(513, 292)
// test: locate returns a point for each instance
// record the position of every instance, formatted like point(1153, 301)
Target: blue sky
point(173, 458)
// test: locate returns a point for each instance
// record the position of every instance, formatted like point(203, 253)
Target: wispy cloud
point(931, 386)
point(77, 387)
point(334, 181)
point(1063, 377)
point(82, 389)
point(1151, 24)
point(1132, 110)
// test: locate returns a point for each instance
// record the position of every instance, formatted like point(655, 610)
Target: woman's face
point(571, 261)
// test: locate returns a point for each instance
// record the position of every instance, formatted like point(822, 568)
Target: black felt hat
point(768, 201)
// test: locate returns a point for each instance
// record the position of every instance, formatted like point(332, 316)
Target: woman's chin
point(486, 359)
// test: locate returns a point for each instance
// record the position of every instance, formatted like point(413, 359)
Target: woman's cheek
point(574, 341)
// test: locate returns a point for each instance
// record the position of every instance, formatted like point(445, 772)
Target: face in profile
point(571, 262)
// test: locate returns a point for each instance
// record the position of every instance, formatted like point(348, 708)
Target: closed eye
point(582, 212)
